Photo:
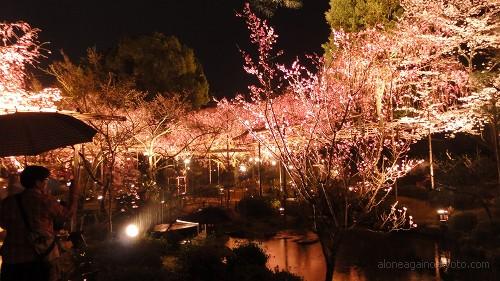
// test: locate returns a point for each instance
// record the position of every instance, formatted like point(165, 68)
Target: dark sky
point(208, 26)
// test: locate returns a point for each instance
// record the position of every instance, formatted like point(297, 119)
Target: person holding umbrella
point(28, 218)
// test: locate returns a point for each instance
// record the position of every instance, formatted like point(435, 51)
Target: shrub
point(141, 260)
point(248, 254)
point(413, 192)
point(464, 201)
point(463, 222)
point(133, 273)
point(464, 169)
point(286, 276)
point(496, 206)
point(441, 198)
point(202, 262)
point(206, 191)
point(248, 263)
point(482, 232)
point(495, 259)
point(173, 239)
point(256, 207)
point(143, 252)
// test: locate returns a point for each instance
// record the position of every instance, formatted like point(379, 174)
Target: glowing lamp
point(243, 168)
point(443, 215)
point(132, 230)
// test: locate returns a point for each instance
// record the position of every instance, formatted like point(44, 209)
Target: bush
point(464, 202)
point(248, 263)
point(286, 276)
point(248, 254)
point(464, 170)
point(256, 207)
point(463, 222)
point(441, 198)
point(143, 252)
point(482, 232)
point(495, 259)
point(206, 191)
point(173, 239)
point(133, 273)
point(496, 206)
point(413, 192)
point(487, 233)
point(141, 260)
point(202, 262)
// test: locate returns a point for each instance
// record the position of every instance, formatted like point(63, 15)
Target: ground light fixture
point(443, 215)
point(243, 168)
point(132, 230)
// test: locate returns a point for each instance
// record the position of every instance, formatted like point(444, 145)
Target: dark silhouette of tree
point(268, 7)
point(356, 15)
point(160, 64)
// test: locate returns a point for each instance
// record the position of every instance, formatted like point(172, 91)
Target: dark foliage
point(255, 207)
point(137, 261)
point(463, 222)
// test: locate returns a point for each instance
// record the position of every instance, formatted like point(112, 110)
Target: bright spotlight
point(243, 168)
point(132, 230)
point(187, 161)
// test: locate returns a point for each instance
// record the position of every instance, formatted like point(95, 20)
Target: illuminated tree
point(110, 147)
point(109, 105)
point(332, 131)
point(159, 137)
point(342, 130)
point(19, 48)
point(219, 129)
point(465, 31)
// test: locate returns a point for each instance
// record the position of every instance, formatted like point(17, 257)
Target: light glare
point(132, 230)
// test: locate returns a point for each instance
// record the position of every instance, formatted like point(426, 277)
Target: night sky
point(210, 27)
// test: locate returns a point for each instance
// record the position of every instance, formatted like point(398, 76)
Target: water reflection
point(361, 257)
point(285, 253)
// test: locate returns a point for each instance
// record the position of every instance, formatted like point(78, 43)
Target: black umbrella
point(31, 133)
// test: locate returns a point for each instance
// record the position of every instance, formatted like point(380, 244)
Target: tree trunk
point(330, 244)
point(431, 161)
point(495, 146)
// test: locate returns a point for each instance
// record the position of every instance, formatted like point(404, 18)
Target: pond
point(362, 257)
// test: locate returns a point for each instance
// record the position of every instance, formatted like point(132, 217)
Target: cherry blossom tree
point(466, 34)
point(157, 119)
point(109, 106)
point(20, 48)
point(342, 129)
point(331, 130)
